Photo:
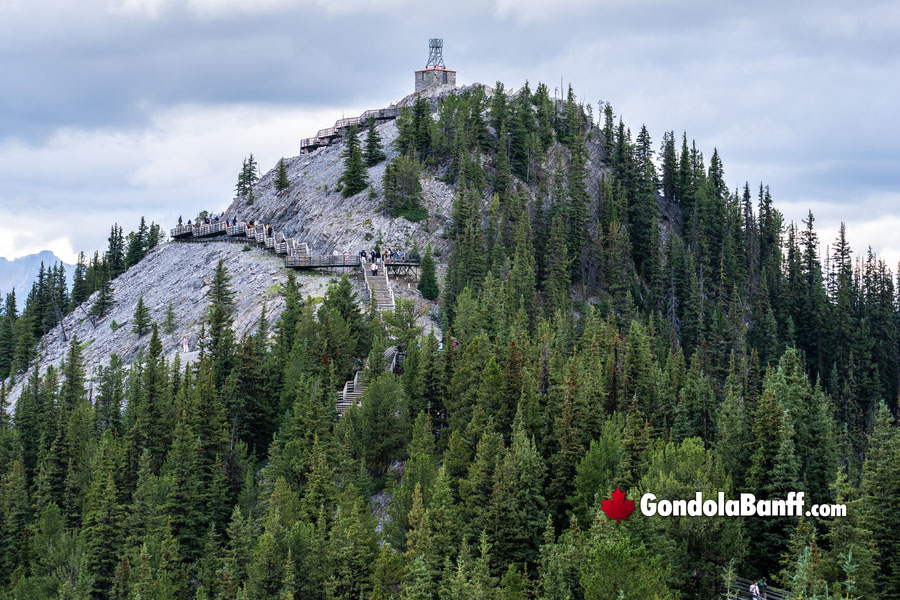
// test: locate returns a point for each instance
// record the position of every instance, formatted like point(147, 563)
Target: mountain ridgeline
point(615, 313)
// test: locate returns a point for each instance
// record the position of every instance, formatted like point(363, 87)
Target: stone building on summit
point(435, 73)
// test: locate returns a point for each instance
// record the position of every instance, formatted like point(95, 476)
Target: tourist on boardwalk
point(374, 269)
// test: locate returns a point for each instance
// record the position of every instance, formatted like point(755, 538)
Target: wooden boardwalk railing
point(740, 590)
point(353, 390)
point(324, 137)
point(296, 253)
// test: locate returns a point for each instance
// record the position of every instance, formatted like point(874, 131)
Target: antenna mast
point(436, 53)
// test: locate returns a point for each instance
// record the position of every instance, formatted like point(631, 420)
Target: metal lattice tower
point(436, 53)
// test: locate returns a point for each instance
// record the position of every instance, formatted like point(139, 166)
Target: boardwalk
point(353, 390)
point(297, 256)
point(327, 136)
point(295, 252)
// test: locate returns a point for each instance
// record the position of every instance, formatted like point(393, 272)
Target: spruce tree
point(577, 208)
point(80, 291)
point(220, 319)
point(354, 178)
point(170, 322)
point(110, 395)
point(114, 259)
point(281, 177)
point(138, 243)
point(374, 152)
point(104, 301)
point(141, 318)
point(403, 189)
point(518, 504)
point(102, 531)
point(880, 490)
point(252, 176)
point(428, 284)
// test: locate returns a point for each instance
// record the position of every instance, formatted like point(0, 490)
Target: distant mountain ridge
point(18, 274)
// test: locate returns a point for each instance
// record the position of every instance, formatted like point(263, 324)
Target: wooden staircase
point(353, 390)
point(352, 393)
point(379, 287)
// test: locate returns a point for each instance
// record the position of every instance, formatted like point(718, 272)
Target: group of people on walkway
point(208, 220)
point(386, 255)
point(251, 224)
point(758, 589)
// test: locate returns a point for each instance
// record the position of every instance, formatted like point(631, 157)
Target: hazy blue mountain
point(20, 273)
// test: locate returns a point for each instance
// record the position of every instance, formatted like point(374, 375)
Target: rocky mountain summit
point(313, 210)
point(18, 274)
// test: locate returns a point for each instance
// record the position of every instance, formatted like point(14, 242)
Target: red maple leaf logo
point(618, 508)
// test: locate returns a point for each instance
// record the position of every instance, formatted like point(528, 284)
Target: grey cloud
point(801, 95)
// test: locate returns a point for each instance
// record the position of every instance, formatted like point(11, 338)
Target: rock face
point(314, 211)
point(181, 273)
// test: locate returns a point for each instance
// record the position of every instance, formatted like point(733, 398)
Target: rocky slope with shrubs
point(180, 273)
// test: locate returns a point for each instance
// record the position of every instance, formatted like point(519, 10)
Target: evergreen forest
point(616, 313)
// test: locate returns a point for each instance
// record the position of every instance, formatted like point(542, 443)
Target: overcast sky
point(113, 109)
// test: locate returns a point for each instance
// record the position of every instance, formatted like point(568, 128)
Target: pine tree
point(518, 505)
point(110, 395)
point(104, 301)
point(241, 188)
point(354, 178)
point(80, 291)
point(281, 177)
point(498, 107)
point(138, 244)
point(418, 474)
point(850, 536)
point(422, 127)
point(319, 494)
point(15, 515)
point(141, 318)
point(374, 152)
point(170, 322)
point(880, 490)
point(428, 284)
point(522, 129)
point(251, 177)
point(556, 284)
point(114, 259)
point(183, 507)
point(353, 546)
point(420, 582)
point(265, 573)
point(577, 208)
point(220, 318)
point(102, 530)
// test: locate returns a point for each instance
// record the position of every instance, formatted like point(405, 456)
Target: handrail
point(296, 253)
point(390, 112)
point(387, 283)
